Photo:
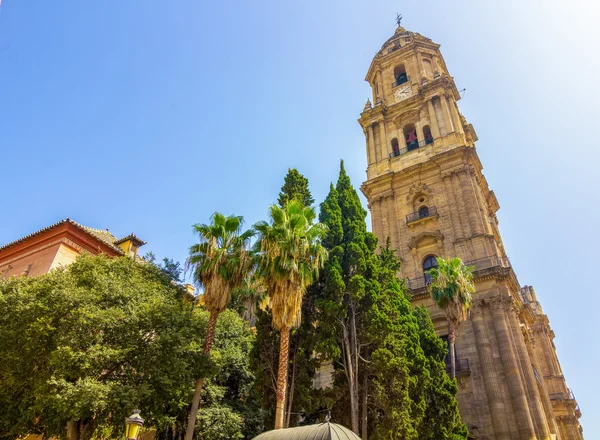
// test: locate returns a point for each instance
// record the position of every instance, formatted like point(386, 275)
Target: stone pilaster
point(512, 372)
point(435, 129)
point(446, 114)
point(497, 407)
point(470, 199)
point(531, 349)
point(371, 143)
point(537, 408)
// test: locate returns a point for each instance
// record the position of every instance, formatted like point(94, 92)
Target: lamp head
point(133, 423)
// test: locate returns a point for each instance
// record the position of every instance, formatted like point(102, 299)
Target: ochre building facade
point(427, 193)
point(59, 245)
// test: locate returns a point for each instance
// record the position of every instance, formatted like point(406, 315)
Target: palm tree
point(219, 263)
point(290, 256)
point(451, 287)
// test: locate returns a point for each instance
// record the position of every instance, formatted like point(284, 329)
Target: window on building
point(400, 75)
point(395, 147)
point(429, 263)
point(410, 136)
point(423, 212)
point(427, 135)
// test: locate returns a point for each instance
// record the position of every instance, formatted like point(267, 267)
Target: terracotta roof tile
point(100, 234)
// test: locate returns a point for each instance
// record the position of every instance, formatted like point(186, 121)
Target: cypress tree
point(295, 186)
point(385, 378)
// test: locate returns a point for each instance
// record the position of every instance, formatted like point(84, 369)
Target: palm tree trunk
point(284, 354)
point(290, 400)
point(210, 336)
point(451, 338)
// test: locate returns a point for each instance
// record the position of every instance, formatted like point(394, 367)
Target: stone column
point(435, 130)
point(455, 116)
point(549, 412)
point(531, 387)
point(377, 225)
point(436, 67)
point(383, 143)
point(455, 218)
point(462, 208)
point(420, 64)
point(371, 142)
point(446, 113)
point(380, 86)
point(419, 130)
point(470, 198)
point(512, 372)
point(395, 239)
point(490, 376)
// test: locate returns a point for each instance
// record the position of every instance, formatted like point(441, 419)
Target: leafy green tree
point(451, 287)
point(290, 255)
point(367, 328)
point(346, 285)
point(295, 186)
point(85, 345)
point(442, 419)
point(220, 263)
point(168, 266)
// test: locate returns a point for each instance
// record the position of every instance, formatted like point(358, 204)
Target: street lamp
point(133, 423)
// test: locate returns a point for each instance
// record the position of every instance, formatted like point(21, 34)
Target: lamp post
point(133, 423)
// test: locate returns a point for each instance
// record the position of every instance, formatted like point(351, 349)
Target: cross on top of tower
point(398, 19)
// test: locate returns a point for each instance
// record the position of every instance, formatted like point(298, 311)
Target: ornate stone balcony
point(422, 215)
point(480, 267)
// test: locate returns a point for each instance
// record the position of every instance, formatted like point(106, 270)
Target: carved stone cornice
point(436, 235)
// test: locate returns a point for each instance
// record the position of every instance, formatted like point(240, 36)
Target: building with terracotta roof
point(59, 245)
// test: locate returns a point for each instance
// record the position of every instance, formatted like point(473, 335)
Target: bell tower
point(427, 194)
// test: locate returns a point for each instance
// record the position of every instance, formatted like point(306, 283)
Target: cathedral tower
point(427, 193)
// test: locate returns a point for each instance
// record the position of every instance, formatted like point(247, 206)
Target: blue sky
point(147, 116)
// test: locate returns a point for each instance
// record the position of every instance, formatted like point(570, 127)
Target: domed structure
point(322, 431)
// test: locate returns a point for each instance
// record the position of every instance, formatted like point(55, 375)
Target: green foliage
point(220, 260)
point(96, 340)
point(290, 255)
point(451, 287)
point(398, 356)
point(442, 419)
point(92, 342)
point(295, 187)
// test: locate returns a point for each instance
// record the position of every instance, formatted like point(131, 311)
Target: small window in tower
point(423, 212)
point(410, 136)
point(395, 148)
point(427, 135)
point(400, 75)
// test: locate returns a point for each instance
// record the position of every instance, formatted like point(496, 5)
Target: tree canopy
point(87, 344)
point(295, 186)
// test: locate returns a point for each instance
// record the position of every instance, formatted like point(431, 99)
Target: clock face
point(402, 93)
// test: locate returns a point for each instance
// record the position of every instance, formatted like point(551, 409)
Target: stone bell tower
point(427, 193)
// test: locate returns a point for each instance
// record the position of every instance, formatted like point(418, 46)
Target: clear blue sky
point(147, 116)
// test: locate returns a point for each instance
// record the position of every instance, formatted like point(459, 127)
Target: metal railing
point(430, 212)
point(479, 264)
point(461, 367)
point(418, 145)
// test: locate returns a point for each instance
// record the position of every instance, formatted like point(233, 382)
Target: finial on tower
point(398, 20)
